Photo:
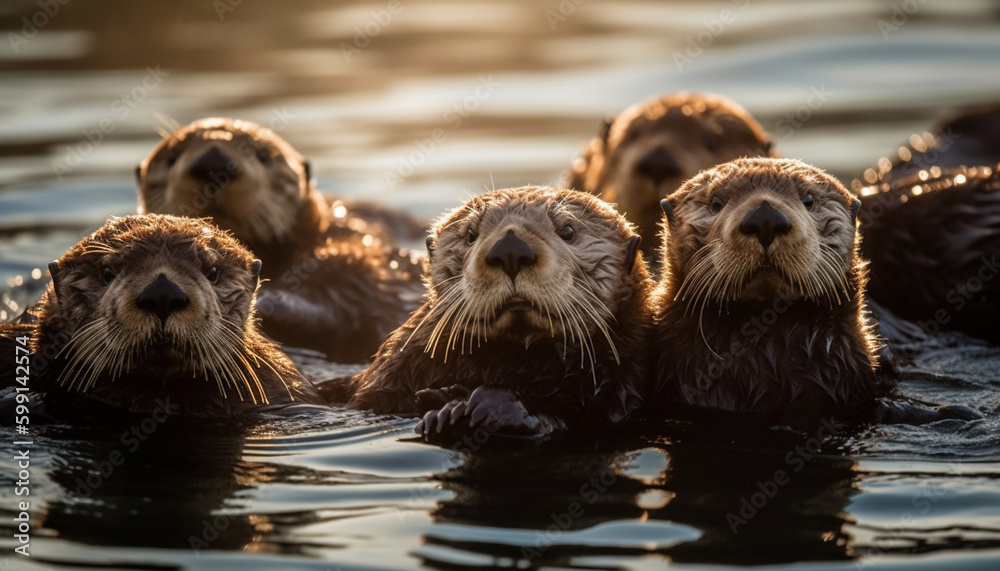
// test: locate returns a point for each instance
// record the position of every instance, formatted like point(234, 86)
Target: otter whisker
point(446, 302)
point(439, 327)
point(457, 327)
point(577, 324)
point(220, 364)
point(701, 261)
point(202, 357)
point(88, 348)
point(237, 356)
point(604, 329)
point(236, 361)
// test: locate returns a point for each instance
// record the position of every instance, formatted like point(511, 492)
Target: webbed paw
point(498, 411)
point(905, 412)
point(430, 399)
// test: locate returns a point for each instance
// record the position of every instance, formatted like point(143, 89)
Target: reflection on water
point(511, 89)
point(357, 490)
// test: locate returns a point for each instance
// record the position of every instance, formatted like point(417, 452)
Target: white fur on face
point(572, 287)
point(715, 261)
point(113, 336)
point(256, 200)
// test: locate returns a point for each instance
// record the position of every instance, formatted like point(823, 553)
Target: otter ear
point(430, 247)
point(633, 250)
point(138, 174)
point(855, 208)
point(307, 169)
point(255, 270)
point(668, 210)
point(54, 272)
point(606, 127)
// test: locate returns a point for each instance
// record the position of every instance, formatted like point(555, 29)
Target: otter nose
point(162, 298)
point(658, 165)
point(511, 253)
point(212, 166)
point(765, 222)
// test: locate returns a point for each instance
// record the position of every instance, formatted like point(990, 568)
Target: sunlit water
point(515, 88)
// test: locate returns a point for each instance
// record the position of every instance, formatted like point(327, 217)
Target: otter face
point(245, 177)
point(759, 229)
point(525, 264)
point(158, 295)
point(652, 148)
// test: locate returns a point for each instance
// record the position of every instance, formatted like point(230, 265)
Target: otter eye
point(471, 237)
point(567, 233)
point(712, 144)
point(263, 156)
point(107, 274)
point(212, 274)
point(716, 206)
point(808, 201)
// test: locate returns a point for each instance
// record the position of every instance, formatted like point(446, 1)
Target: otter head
point(526, 264)
point(159, 296)
point(649, 150)
point(757, 229)
point(245, 177)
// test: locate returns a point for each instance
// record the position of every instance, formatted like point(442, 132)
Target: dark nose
point(511, 253)
point(658, 165)
point(162, 298)
point(765, 222)
point(213, 166)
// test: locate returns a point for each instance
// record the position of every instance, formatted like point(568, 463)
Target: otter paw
point(904, 412)
point(431, 399)
point(498, 411)
point(958, 412)
point(439, 422)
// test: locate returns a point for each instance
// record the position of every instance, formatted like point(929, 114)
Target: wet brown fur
point(336, 281)
point(698, 130)
point(577, 355)
point(91, 340)
point(931, 222)
point(789, 341)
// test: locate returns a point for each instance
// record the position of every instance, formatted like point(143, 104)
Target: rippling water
point(515, 87)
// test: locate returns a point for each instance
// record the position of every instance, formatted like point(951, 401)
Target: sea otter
point(155, 313)
point(931, 223)
point(536, 320)
point(335, 280)
point(651, 148)
point(761, 305)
